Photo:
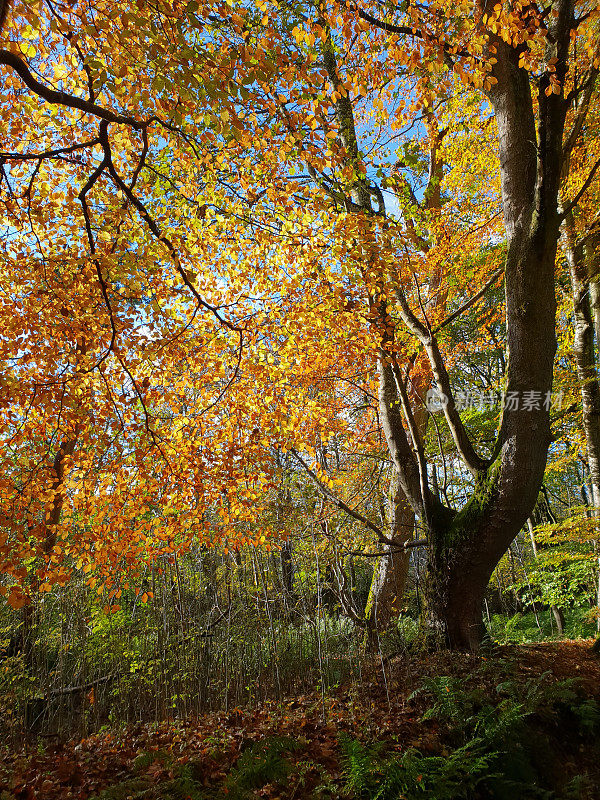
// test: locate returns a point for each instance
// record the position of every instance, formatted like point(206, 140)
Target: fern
point(448, 695)
point(183, 786)
point(324, 783)
point(359, 765)
point(369, 774)
point(449, 777)
point(588, 716)
point(549, 699)
point(146, 759)
point(136, 788)
point(263, 763)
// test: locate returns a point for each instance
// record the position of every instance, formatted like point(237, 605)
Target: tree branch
point(459, 434)
point(62, 98)
point(49, 153)
point(586, 184)
point(583, 107)
point(471, 301)
point(326, 492)
point(152, 225)
point(398, 548)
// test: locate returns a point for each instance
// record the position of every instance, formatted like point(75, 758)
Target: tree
point(581, 247)
point(178, 290)
point(466, 545)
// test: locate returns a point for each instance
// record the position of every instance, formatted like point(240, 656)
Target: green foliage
point(521, 628)
point(577, 787)
point(132, 788)
point(145, 760)
point(372, 775)
point(559, 577)
point(360, 764)
point(408, 628)
point(587, 713)
point(305, 772)
point(183, 787)
point(503, 731)
point(185, 783)
point(264, 762)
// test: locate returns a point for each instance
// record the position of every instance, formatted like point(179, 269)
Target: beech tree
point(580, 245)
point(200, 256)
point(527, 52)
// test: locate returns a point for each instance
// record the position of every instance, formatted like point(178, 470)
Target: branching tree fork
point(466, 545)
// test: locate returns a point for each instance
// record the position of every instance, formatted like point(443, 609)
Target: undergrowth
point(515, 730)
point(370, 774)
point(265, 762)
point(493, 745)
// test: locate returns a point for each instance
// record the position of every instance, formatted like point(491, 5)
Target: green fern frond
point(263, 763)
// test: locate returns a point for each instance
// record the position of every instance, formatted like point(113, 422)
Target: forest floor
point(224, 754)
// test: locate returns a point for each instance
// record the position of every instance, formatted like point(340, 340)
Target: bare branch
point(61, 151)
point(152, 225)
point(326, 492)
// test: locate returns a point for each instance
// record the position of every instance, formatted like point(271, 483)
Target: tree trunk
point(454, 595)
point(557, 612)
point(583, 266)
point(390, 575)
point(592, 250)
point(284, 511)
point(466, 546)
point(464, 554)
point(583, 349)
point(391, 570)
point(559, 619)
point(287, 567)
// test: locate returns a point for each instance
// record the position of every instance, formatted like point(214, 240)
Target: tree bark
point(464, 554)
point(391, 570)
point(593, 257)
point(583, 350)
point(582, 259)
point(466, 546)
point(390, 575)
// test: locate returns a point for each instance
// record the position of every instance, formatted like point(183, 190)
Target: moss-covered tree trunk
point(458, 572)
point(466, 544)
point(465, 547)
